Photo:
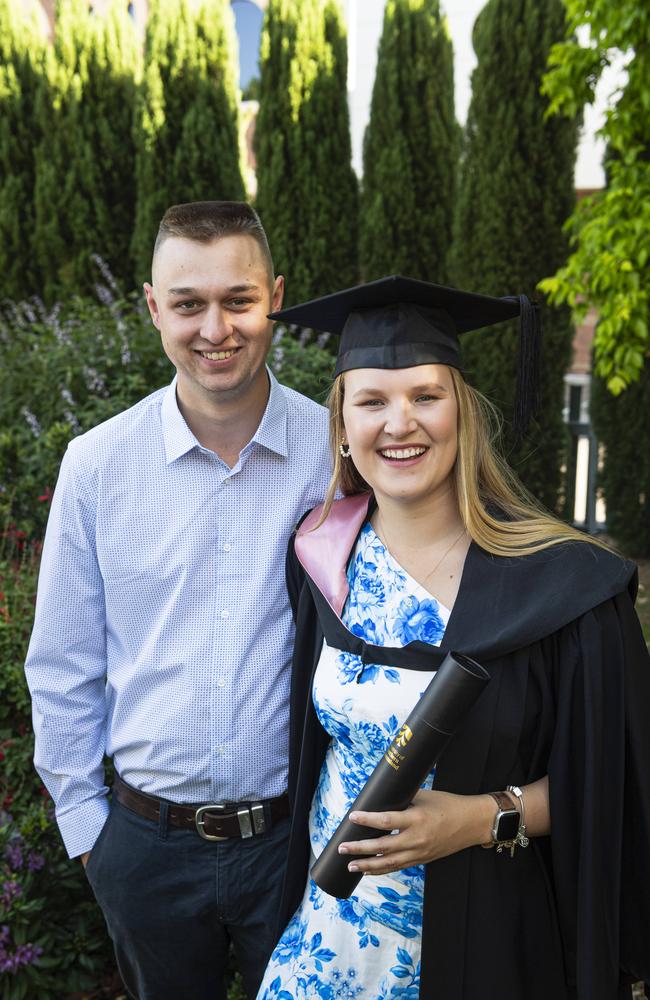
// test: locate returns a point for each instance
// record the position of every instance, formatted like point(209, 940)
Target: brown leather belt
point(212, 821)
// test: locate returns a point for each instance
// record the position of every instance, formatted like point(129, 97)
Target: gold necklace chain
point(440, 561)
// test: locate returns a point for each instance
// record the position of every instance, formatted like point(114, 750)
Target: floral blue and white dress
point(367, 946)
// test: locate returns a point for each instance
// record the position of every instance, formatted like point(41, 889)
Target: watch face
point(507, 826)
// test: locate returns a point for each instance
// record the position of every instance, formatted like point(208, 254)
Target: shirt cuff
point(80, 827)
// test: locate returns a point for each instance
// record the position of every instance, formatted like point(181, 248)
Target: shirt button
point(220, 751)
point(227, 547)
point(225, 614)
point(221, 682)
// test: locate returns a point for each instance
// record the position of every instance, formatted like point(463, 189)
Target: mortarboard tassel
point(527, 397)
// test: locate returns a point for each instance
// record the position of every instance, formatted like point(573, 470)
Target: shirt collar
point(271, 433)
point(272, 430)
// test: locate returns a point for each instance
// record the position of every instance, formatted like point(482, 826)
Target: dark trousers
point(173, 902)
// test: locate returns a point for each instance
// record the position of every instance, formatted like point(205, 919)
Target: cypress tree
point(84, 188)
point(516, 192)
point(99, 124)
point(186, 124)
point(21, 78)
point(410, 147)
point(307, 190)
point(55, 195)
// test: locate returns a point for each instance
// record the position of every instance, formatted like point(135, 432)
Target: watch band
point(503, 801)
point(505, 805)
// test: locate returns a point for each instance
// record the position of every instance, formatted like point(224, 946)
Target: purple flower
point(28, 953)
point(24, 954)
point(10, 891)
point(32, 422)
point(35, 861)
point(14, 855)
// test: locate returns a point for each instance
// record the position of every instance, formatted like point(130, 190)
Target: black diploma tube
point(397, 777)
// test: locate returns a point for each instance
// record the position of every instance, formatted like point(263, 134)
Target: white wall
point(364, 19)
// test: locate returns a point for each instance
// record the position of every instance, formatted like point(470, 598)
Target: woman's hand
point(435, 825)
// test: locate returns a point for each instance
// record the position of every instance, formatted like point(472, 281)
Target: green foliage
point(101, 167)
point(307, 191)
point(84, 190)
point(609, 267)
point(61, 372)
point(516, 192)
point(411, 148)
point(186, 127)
point(306, 367)
point(621, 424)
point(64, 370)
point(21, 78)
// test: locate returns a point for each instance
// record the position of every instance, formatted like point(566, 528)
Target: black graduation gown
point(569, 696)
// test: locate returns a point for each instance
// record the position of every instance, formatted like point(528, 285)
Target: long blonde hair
point(498, 512)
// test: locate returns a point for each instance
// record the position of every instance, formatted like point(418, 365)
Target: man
point(163, 629)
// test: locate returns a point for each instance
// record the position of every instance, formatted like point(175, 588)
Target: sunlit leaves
point(609, 267)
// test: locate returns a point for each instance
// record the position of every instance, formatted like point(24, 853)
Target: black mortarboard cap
point(400, 322)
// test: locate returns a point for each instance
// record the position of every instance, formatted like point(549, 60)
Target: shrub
point(84, 192)
point(302, 365)
point(411, 148)
point(22, 79)
point(306, 188)
point(64, 370)
point(186, 117)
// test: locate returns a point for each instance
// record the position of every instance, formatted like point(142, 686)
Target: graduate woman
point(521, 870)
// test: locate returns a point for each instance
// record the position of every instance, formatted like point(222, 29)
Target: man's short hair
point(205, 221)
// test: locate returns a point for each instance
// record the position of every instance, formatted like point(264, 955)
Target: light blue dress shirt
point(163, 630)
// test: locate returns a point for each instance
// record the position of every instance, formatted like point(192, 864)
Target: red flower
point(47, 496)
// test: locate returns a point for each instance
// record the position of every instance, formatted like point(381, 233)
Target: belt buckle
point(200, 822)
point(251, 820)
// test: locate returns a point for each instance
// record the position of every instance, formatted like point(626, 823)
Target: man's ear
point(149, 295)
point(278, 294)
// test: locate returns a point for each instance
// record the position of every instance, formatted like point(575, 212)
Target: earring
point(344, 448)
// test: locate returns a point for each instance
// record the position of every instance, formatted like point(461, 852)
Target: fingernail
point(354, 817)
point(352, 867)
point(343, 849)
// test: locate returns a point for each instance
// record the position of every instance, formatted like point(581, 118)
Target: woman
point(435, 547)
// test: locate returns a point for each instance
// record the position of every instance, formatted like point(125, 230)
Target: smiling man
point(163, 630)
